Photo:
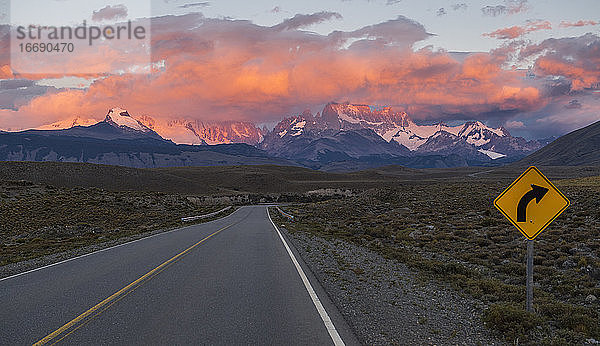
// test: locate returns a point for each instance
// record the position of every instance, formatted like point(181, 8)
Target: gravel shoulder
point(385, 302)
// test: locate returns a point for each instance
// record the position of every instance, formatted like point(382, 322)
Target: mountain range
point(181, 131)
point(361, 133)
point(342, 137)
point(122, 140)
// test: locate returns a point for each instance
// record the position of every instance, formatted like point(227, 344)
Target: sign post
point(517, 204)
point(529, 275)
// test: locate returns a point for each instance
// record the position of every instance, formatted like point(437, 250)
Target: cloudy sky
point(531, 66)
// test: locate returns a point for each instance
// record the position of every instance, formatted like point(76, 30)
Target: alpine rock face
point(197, 132)
point(398, 135)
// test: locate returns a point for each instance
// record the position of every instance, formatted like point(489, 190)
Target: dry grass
point(39, 220)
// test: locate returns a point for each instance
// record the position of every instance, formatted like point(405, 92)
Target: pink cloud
point(565, 24)
point(216, 69)
point(6, 72)
point(304, 20)
point(509, 7)
point(518, 31)
point(574, 58)
point(514, 124)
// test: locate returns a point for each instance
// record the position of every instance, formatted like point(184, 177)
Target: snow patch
point(345, 117)
point(122, 118)
point(491, 154)
point(413, 136)
point(298, 128)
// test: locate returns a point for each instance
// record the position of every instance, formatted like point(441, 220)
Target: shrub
point(512, 321)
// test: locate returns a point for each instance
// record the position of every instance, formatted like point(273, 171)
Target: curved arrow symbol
point(536, 192)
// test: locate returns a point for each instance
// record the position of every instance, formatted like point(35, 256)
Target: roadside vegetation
point(38, 220)
point(451, 233)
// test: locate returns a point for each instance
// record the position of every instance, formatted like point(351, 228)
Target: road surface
point(230, 281)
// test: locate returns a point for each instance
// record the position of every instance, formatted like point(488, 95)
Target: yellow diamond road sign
point(531, 202)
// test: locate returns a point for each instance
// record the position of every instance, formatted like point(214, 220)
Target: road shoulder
point(384, 302)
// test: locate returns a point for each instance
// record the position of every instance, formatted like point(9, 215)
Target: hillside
point(578, 148)
point(259, 179)
point(186, 180)
point(86, 144)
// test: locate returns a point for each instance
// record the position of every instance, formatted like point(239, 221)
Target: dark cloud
point(7, 84)
point(573, 104)
point(556, 86)
point(304, 20)
point(16, 92)
point(110, 13)
point(195, 4)
point(561, 115)
point(401, 32)
point(494, 11)
point(509, 7)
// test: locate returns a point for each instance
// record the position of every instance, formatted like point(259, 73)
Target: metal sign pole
point(530, 275)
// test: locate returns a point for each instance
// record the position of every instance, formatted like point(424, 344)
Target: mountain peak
point(119, 117)
point(118, 111)
point(478, 133)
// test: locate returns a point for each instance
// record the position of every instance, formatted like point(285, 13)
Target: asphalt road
point(229, 281)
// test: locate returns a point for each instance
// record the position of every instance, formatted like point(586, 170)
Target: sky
point(530, 66)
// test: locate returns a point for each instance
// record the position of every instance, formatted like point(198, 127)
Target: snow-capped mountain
point(196, 132)
point(473, 140)
point(115, 117)
point(398, 127)
point(68, 123)
point(120, 118)
point(179, 131)
point(118, 124)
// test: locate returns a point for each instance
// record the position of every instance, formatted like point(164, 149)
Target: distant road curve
point(473, 175)
point(193, 218)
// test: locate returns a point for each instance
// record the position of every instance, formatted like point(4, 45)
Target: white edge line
point(106, 249)
point(337, 340)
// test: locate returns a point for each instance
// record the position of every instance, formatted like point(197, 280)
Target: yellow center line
point(123, 292)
